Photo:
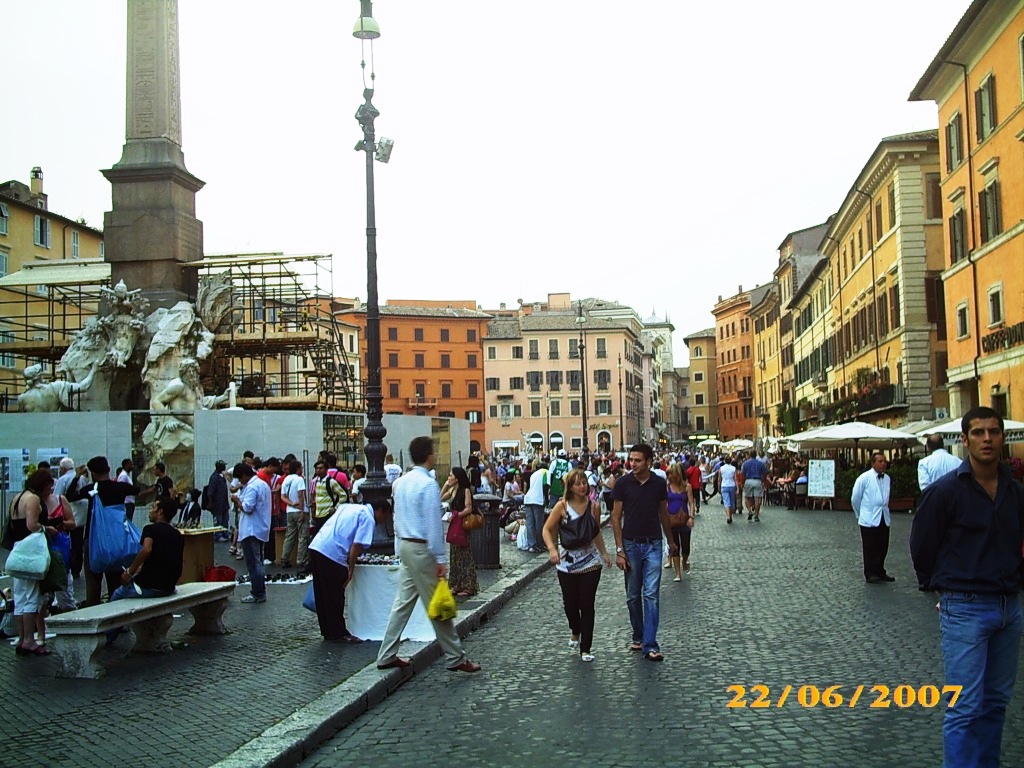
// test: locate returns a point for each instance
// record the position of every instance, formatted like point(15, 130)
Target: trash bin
point(484, 542)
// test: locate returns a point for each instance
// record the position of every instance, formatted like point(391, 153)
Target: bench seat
point(81, 634)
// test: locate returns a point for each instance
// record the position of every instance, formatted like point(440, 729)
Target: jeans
point(643, 581)
point(127, 591)
point(980, 647)
point(221, 518)
point(534, 514)
point(252, 550)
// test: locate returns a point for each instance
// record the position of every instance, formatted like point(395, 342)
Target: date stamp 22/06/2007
point(831, 696)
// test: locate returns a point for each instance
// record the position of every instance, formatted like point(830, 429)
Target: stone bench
point(81, 634)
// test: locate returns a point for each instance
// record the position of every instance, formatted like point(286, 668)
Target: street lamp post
point(581, 320)
point(622, 416)
point(376, 486)
point(639, 389)
point(547, 421)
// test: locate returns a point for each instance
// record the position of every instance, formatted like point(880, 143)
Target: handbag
point(578, 533)
point(114, 541)
point(309, 600)
point(56, 578)
point(442, 605)
point(679, 520)
point(474, 520)
point(457, 532)
point(30, 558)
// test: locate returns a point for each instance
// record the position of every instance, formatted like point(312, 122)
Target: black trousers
point(875, 542)
point(681, 536)
point(579, 592)
point(329, 590)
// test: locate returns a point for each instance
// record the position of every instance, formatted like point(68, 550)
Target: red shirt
point(693, 475)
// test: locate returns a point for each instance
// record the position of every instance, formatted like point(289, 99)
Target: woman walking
point(576, 522)
point(458, 492)
point(680, 502)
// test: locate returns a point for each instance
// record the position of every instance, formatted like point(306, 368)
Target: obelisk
point(153, 228)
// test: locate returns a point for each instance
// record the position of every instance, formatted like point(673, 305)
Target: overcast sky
point(652, 153)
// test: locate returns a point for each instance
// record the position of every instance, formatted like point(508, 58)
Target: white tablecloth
point(368, 601)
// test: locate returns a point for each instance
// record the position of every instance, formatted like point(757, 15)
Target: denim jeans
point(980, 647)
point(534, 514)
point(252, 550)
point(643, 581)
point(127, 591)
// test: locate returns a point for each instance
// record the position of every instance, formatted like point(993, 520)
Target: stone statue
point(214, 299)
point(44, 396)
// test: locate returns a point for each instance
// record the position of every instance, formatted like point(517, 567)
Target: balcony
point(761, 411)
point(886, 396)
point(421, 402)
point(746, 394)
point(820, 380)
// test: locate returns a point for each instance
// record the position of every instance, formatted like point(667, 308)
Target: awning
point(59, 273)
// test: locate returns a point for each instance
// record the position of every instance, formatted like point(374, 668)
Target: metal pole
point(622, 415)
point(376, 486)
point(583, 383)
point(547, 411)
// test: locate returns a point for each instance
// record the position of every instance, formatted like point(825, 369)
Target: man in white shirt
point(421, 547)
point(253, 528)
point(125, 476)
point(534, 504)
point(392, 470)
point(293, 494)
point(870, 501)
point(937, 463)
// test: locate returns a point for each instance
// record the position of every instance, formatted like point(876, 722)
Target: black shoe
point(887, 577)
point(875, 580)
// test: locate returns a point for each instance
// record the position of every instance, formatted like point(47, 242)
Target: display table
point(368, 601)
point(198, 554)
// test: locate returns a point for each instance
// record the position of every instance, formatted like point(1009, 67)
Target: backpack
point(204, 499)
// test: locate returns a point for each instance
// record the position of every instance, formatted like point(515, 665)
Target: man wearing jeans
point(253, 501)
point(534, 503)
point(639, 521)
point(966, 544)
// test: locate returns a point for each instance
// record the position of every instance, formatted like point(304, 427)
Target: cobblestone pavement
point(197, 705)
point(779, 603)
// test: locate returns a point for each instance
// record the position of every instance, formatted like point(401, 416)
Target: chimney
point(37, 182)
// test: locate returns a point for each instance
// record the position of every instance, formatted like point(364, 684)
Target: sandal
point(654, 656)
point(636, 646)
point(39, 650)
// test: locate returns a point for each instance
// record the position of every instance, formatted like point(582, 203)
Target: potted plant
point(843, 487)
point(904, 491)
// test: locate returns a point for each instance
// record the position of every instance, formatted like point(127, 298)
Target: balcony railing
point(888, 396)
point(422, 402)
point(746, 394)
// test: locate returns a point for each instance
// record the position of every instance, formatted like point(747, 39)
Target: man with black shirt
point(966, 544)
point(641, 497)
point(110, 492)
point(164, 486)
point(157, 567)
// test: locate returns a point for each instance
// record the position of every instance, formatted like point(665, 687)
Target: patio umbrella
point(738, 444)
point(708, 443)
point(853, 434)
point(950, 431)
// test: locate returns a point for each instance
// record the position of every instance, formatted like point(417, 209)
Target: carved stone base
point(208, 618)
point(151, 635)
point(78, 655)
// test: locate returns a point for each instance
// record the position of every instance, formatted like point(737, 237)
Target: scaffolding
point(280, 342)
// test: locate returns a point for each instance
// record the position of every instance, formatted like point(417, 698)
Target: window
point(516, 382)
point(492, 353)
point(534, 349)
point(895, 319)
point(554, 380)
point(474, 417)
point(446, 390)
point(493, 411)
point(472, 390)
point(573, 377)
point(446, 360)
point(602, 377)
point(698, 352)
point(418, 360)
point(4, 214)
point(471, 334)
point(421, 391)
point(552, 349)
point(492, 384)
point(444, 334)
point(957, 236)
point(517, 353)
point(392, 359)
point(3, 263)
point(535, 408)
point(700, 423)
point(417, 334)
point(963, 323)
point(6, 358)
point(954, 142)
point(602, 348)
point(985, 107)
point(574, 349)
point(995, 305)
point(892, 205)
point(75, 252)
point(446, 414)
point(932, 196)
point(574, 407)
point(42, 231)
point(392, 334)
point(879, 228)
point(555, 407)
point(935, 305)
point(698, 398)
point(517, 411)
point(393, 389)
point(698, 376)
point(471, 361)
point(602, 407)
point(533, 378)
point(989, 214)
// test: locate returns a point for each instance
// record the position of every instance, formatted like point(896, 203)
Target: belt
point(415, 541)
point(640, 540)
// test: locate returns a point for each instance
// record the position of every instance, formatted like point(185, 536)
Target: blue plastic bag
point(62, 543)
point(114, 541)
point(309, 601)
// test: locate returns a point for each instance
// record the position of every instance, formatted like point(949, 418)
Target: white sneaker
point(676, 579)
point(586, 657)
point(574, 645)
point(268, 562)
point(668, 563)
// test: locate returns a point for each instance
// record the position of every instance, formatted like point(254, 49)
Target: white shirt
point(870, 499)
point(417, 500)
point(351, 524)
point(393, 472)
point(124, 477)
point(935, 465)
point(728, 475)
point(535, 493)
point(356, 485)
point(291, 488)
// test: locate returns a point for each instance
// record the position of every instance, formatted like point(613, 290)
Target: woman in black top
point(462, 568)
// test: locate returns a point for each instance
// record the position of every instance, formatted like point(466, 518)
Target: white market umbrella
point(950, 431)
point(708, 443)
point(739, 444)
point(855, 434)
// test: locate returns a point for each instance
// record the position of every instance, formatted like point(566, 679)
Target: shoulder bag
point(474, 520)
point(578, 533)
point(30, 558)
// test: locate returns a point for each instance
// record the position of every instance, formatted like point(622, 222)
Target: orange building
point(735, 373)
point(431, 356)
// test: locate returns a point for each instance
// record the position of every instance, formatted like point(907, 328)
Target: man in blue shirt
point(753, 472)
point(966, 544)
point(253, 501)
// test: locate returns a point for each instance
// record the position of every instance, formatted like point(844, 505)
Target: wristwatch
point(620, 551)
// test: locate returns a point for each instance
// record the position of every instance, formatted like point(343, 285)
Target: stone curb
point(297, 736)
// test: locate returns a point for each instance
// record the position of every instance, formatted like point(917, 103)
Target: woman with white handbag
point(27, 517)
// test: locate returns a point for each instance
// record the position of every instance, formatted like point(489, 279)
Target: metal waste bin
point(484, 542)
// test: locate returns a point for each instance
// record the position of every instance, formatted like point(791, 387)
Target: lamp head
point(366, 28)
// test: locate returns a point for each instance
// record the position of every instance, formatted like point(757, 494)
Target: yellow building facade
point(767, 363)
point(981, 121)
point(703, 392)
